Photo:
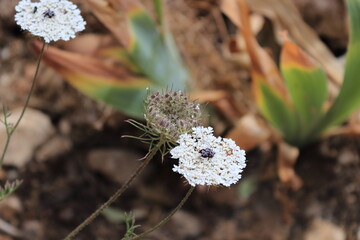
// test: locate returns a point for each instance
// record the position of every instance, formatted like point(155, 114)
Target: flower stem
point(9, 132)
point(166, 219)
point(117, 194)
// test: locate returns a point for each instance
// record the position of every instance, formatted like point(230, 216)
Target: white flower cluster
point(52, 20)
point(208, 160)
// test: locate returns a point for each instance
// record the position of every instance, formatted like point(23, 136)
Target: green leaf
point(111, 84)
point(9, 188)
point(247, 187)
point(158, 5)
point(128, 98)
point(114, 215)
point(151, 60)
point(278, 112)
point(154, 53)
point(307, 85)
point(121, 56)
point(348, 99)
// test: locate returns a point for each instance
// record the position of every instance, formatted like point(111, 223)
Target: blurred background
point(70, 154)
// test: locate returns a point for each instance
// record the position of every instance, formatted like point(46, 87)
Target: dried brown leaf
point(111, 18)
point(89, 44)
point(249, 132)
point(208, 96)
point(263, 67)
point(71, 63)
point(285, 16)
point(287, 157)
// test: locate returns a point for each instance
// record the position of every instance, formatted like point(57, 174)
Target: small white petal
point(223, 168)
point(52, 20)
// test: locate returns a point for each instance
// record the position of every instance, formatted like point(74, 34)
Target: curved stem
point(11, 131)
point(116, 195)
point(165, 220)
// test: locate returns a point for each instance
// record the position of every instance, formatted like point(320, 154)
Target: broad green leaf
point(277, 112)
point(153, 52)
point(348, 99)
point(307, 85)
point(267, 85)
point(125, 97)
point(150, 60)
point(110, 84)
point(120, 55)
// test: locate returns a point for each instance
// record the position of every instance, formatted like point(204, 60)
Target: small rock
point(313, 209)
point(10, 207)
point(186, 225)
point(12, 202)
point(66, 214)
point(347, 157)
point(321, 229)
point(4, 237)
point(225, 230)
point(118, 165)
point(34, 129)
point(65, 127)
point(56, 146)
point(34, 229)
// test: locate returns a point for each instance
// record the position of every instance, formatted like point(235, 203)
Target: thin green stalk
point(11, 131)
point(117, 194)
point(165, 220)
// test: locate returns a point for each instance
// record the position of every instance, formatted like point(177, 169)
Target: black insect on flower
point(35, 9)
point(207, 153)
point(48, 13)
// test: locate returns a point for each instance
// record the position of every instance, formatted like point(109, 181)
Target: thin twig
point(13, 128)
point(117, 194)
point(165, 220)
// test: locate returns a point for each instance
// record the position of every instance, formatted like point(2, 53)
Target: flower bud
point(171, 114)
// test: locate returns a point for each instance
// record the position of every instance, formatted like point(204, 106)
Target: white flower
point(208, 160)
point(52, 20)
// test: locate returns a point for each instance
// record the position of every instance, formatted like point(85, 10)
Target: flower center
point(207, 153)
point(48, 13)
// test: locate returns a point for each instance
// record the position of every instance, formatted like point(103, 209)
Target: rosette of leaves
point(296, 101)
point(144, 56)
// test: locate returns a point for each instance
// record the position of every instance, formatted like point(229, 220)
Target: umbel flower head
point(208, 160)
point(171, 114)
point(52, 20)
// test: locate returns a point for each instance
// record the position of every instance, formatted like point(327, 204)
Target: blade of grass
point(158, 5)
point(348, 99)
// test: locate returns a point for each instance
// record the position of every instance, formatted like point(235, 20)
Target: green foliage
point(308, 91)
point(277, 112)
point(130, 227)
point(301, 114)
point(154, 53)
point(348, 99)
point(114, 215)
point(149, 60)
point(153, 56)
point(8, 189)
point(158, 5)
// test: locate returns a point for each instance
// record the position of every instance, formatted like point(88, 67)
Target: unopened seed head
point(171, 114)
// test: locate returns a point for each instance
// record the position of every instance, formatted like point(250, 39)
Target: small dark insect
point(35, 9)
point(48, 13)
point(207, 153)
